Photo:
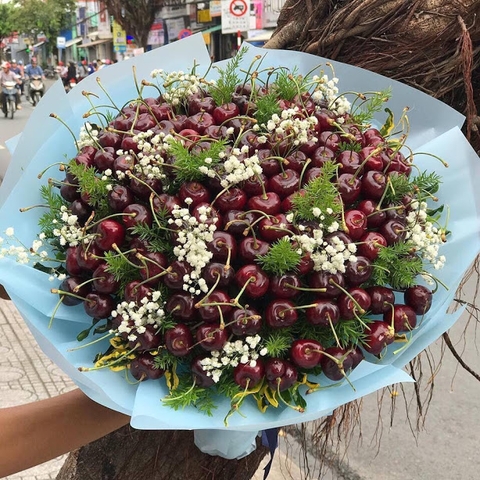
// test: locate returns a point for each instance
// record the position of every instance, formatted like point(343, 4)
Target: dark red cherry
point(248, 375)
point(419, 298)
point(377, 336)
point(179, 340)
point(306, 353)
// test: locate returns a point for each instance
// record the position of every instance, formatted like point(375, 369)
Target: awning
point(73, 42)
point(39, 44)
point(259, 35)
point(97, 42)
point(215, 28)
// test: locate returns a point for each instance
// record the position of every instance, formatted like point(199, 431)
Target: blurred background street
point(447, 447)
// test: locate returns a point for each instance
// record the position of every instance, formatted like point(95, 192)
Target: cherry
point(254, 279)
point(144, 367)
point(269, 203)
point(98, 305)
point(419, 298)
point(69, 192)
point(377, 336)
point(336, 364)
point(248, 376)
point(232, 199)
point(245, 321)
point(89, 257)
point(326, 283)
point(355, 223)
point(178, 340)
point(135, 291)
point(119, 197)
point(382, 298)
point(353, 303)
point(137, 214)
point(349, 188)
point(150, 339)
point(274, 227)
point(71, 262)
point(349, 161)
point(174, 278)
point(200, 121)
point(109, 233)
point(201, 377)
point(280, 313)
point(217, 306)
point(250, 248)
point(181, 306)
point(370, 245)
point(225, 112)
point(223, 246)
point(375, 217)
point(404, 317)
point(211, 337)
point(218, 274)
point(104, 159)
point(197, 192)
point(237, 222)
point(323, 313)
point(306, 353)
point(322, 155)
point(104, 281)
point(393, 231)
point(280, 374)
point(154, 265)
point(358, 272)
point(284, 183)
point(373, 184)
point(75, 286)
point(285, 286)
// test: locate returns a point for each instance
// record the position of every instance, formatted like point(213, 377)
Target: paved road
point(447, 447)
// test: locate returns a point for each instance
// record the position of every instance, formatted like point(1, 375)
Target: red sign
point(238, 8)
point(185, 32)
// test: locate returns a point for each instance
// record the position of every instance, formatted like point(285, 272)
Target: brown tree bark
point(129, 454)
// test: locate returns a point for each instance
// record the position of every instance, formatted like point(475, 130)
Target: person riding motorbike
point(71, 77)
point(34, 69)
point(8, 75)
point(19, 70)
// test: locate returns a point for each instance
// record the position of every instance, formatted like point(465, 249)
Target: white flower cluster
point(326, 91)
point(331, 256)
point(243, 351)
point(88, 136)
point(179, 86)
point(21, 253)
point(193, 236)
point(150, 157)
point(289, 124)
point(135, 317)
point(425, 237)
point(70, 234)
point(232, 169)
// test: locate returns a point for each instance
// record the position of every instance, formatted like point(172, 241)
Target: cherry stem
point(109, 364)
point(40, 175)
point(109, 334)
point(348, 294)
point(56, 117)
point(99, 82)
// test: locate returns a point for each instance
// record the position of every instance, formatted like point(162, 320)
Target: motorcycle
point(35, 89)
point(70, 84)
point(9, 90)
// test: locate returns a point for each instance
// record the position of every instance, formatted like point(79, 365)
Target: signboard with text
point(119, 38)
point(235, 16)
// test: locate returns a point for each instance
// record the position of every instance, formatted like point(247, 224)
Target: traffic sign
point(61, 42)
point(235, 16)
point(238, 8)
point(185, 32)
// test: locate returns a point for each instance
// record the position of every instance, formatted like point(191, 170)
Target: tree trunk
point(129, 454)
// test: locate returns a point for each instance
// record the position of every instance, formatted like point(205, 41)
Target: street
point(446, 448)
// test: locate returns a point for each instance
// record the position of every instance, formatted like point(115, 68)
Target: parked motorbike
point(9, 90)
point(35, 89)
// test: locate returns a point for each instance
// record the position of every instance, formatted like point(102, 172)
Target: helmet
point(14, 61)
point(20, 62)
point(6, 65)
point(60, 63)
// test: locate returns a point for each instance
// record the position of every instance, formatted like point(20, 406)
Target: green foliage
point(278, 342)
point(288, 84)
point(371, 105)
point(320, 193)
point(52, 215)
point(49, 17)
point(396, 266)
point(185, 396)
point(281, 258)
point(267, 106)
point(121, 268)
point(228, 80)
point(8, 22)
point(187, 164)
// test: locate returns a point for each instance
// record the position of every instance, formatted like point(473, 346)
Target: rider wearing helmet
point(34, 69)
point(8, 75)
point(18, 69)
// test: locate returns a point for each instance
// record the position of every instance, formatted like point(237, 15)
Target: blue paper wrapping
point(435, 128)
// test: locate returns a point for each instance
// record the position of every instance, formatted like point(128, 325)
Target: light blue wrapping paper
point(435, 128)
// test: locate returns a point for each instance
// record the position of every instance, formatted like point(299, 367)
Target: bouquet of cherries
point(245, 235)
